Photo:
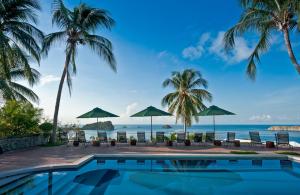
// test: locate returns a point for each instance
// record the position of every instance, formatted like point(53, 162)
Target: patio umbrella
point(214, 111)
point(97, 113)
point(151, 111)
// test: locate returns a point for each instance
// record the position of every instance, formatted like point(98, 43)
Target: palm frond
point(103, 48)
point(51, 39)
point(187, 98)
point(61, 15)
point(262, 45)
point(91, 18)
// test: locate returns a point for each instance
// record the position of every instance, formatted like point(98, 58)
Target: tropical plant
point(265, 17)
point(19, 119)
point(46, 127)
point(19, 40)
point(11, 90)
point(187, 99)
point(75, 29)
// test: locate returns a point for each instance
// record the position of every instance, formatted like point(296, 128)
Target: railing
point(220, 135)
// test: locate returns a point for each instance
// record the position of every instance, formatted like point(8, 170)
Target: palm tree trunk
point(184, 127)
point(61, 83)
point(290, 50)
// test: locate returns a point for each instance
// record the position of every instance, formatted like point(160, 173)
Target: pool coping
point(82, 161)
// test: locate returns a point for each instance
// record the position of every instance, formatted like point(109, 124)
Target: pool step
point(63, 180)
point(11, 179)
point(15, 184)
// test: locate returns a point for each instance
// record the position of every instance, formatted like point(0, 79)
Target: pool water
point(144, 176)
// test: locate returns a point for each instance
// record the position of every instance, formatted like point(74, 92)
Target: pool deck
point(63, 155)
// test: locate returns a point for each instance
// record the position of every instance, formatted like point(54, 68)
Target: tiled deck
point(63, 154)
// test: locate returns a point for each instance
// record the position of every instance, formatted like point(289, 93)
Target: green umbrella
point(97, 113)
point(214, 111)
point(151, 111)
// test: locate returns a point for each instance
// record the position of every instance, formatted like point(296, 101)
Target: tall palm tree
point(75, 29)
point(19, 37)
point(187, 99)
point(11, 90)
point(265, 17)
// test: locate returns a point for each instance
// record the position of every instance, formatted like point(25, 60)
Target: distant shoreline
point(285, 128)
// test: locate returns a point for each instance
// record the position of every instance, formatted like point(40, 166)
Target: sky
point(153, 38)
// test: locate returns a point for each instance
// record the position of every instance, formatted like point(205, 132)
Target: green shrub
point(46, 127)
point(191, 136)
point(19, 119)
point(173, 137)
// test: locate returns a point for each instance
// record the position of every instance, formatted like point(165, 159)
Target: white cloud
point(240, 52)
point(169, 57)
point(195, 52)
point(49, 79)
point(215, 46)
point(192, 52)
point(261, 118)
point(130, 109)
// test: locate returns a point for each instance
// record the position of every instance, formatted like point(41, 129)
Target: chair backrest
point(102, 136)
point(210, 137)
point(180, 137)
point(72, 135)
point(81, 136)
point(121, 137)
point(198, 137)
point(160, 137)
point(254, 136)
point(230, 136)
point(282, 138)
point(141, 137)
point(63, 135)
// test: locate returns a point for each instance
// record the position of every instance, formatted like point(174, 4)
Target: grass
point(242, 152)
point(53, 144)
point(288, 153)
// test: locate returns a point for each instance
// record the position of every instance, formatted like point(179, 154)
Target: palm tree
point(265, 17)
point(187, 99)
point(75, 29)
point(11, 90)
point(19, 38)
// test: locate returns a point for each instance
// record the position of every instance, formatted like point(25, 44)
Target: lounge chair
point(230, 138)
point(283, 138)
point(198, 138)
point(103, 138)
point(72, 136)
point(209, 137)
point(121, 138)
point(160, 137)
point(63, 136)
point(81, 138)
point(180, 138)
point(141, 138)
point(255, 138)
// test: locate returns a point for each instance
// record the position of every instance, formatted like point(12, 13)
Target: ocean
point(242, 131)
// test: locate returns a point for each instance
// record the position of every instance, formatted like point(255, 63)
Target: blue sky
point(153, 38)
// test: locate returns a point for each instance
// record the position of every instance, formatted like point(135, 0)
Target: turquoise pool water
point(144, 176)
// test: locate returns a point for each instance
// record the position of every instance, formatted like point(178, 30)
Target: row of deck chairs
point(282, 138)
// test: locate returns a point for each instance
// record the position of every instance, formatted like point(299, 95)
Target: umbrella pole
point(97, 124)
point(214, 122)
point(151, 128)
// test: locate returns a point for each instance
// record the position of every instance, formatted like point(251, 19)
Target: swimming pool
point(163, 176)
